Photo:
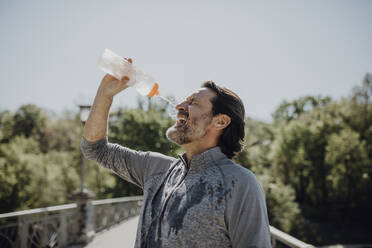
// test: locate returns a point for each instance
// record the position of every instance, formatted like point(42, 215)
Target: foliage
point(325, 155)
point(288, 111)
point(31, 178)
point(348, 176)
point(37, 158)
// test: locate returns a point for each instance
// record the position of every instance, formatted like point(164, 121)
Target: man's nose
point(181, 106)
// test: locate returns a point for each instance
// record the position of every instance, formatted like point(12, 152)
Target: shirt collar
point(203, 160)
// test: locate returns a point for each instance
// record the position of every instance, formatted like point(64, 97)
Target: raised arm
point(96, 126)
point(134, 166)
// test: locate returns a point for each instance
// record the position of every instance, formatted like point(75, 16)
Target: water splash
point(167, 100)
point(172, 112)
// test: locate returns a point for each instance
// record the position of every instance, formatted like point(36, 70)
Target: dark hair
point(228, 103)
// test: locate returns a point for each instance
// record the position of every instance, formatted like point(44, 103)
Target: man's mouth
point(182, 119)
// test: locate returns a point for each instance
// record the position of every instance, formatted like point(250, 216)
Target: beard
point(192, 130)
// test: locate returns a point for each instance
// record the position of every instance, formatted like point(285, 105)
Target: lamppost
point(84, 215)
point(84, 114)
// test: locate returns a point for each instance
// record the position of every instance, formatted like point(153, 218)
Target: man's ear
point(221, 121)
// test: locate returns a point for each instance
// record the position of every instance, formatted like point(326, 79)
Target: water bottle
point(118, 67)
point(145, 84)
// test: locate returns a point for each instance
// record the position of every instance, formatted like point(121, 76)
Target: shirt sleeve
point(133, 166)
point(246, 213)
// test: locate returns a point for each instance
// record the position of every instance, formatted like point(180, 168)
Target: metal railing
point(279, 237)
point(42, 227)
point(57, 226)
point(113, 211)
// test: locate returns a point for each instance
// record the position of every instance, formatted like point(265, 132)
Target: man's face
point(193, 118)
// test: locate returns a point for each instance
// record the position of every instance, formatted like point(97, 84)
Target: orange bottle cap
point(154, 90)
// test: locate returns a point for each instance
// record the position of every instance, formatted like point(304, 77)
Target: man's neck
point(197, 148)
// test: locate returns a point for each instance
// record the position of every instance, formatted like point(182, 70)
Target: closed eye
point(192, 101)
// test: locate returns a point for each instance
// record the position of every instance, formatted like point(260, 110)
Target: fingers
point(125, 79)
point(108, 77)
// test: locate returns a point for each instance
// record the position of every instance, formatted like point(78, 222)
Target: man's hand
point(96, 125)
point(110, 86)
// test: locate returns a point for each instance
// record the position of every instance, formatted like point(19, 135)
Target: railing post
point(23, 232)
point(62, 239)
point(273, 242)
point(85, 217)
point(43, 228)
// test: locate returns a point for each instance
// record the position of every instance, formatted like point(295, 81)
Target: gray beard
point(190, 132)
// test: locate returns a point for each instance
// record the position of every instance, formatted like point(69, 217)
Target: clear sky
point(266, 51)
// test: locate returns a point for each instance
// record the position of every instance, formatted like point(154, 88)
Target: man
point(200, 199)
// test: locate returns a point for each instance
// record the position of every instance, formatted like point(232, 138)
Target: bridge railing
point(113, 211)
point(41, 227)
point(282, 238)
point(57, 226)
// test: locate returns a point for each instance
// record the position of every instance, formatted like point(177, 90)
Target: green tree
point(288, 111)
point(15, 171)
point(29, 120)
point(325, 154)
point(39, 158)
point(359, 117)
point(258, 138)
point(350, 169)
point(31, 178)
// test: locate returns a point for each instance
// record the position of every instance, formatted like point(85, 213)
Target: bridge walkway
point(120, 236)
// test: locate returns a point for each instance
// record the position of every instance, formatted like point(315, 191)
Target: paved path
point(121, 236)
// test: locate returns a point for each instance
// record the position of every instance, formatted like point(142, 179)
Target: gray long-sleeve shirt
point(210, 202)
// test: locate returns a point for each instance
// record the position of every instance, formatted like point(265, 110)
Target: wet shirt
point(210, 202)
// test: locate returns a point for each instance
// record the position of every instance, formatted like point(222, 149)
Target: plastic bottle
point(118, 67)
point(145, 84)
